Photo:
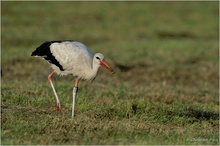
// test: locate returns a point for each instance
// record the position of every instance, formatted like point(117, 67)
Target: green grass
point(165, 89)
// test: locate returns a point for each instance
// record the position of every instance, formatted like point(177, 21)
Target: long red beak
point(105, 64)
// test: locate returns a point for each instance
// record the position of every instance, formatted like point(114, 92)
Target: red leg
point(58, 107)
point(50, 76)
point(76, 83)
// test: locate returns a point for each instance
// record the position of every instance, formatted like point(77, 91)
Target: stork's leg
point(58, 107)
point(75, 89)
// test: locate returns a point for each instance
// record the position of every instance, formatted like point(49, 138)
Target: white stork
point(70, 57)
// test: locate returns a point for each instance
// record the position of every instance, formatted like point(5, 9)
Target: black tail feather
point(44, 51)
point(41, 49)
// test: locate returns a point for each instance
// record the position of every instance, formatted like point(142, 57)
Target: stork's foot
point(58, 108)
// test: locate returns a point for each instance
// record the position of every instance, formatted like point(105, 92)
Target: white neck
point(94, 69)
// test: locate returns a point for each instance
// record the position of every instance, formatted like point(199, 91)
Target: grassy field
point(165, 89)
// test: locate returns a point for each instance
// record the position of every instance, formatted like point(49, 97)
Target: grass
point(165, 89)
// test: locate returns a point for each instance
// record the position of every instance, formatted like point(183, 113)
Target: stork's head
point(99, 58)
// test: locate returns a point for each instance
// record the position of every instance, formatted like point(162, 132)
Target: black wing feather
point(44, 51)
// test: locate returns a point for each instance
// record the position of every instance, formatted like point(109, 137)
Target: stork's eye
point(98, 58)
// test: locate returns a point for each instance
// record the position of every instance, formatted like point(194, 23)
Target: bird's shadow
point(197, 115)
point(201, 115)
point(190, 112)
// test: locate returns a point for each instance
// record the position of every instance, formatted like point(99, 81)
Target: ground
point(165, 89)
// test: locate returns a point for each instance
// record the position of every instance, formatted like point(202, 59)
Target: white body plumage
point(72, 58)
point(75, 58)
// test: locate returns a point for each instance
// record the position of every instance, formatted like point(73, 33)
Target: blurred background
point(165, 52)
point(128, 33)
